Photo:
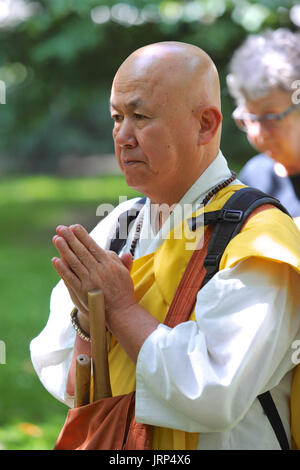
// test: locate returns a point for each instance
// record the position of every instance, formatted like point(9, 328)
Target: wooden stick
point(102, 388)
point(83, 380)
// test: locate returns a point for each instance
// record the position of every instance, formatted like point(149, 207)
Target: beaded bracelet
point(75, 322)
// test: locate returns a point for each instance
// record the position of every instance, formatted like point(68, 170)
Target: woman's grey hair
point(262, 62)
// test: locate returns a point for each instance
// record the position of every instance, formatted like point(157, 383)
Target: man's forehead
point(137, 93)
point(137, 77)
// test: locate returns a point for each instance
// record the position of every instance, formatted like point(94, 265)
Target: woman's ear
point(209, 118)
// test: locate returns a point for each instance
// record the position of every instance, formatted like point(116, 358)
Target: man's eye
point(139, 116)
point(116, 117)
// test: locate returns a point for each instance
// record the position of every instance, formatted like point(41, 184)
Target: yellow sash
point(269, 234)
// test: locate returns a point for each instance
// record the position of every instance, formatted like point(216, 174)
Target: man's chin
point(134, 183)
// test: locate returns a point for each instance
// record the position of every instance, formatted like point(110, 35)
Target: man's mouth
point(130, 162)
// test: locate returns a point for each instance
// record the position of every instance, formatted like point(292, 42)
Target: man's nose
point(124, 135)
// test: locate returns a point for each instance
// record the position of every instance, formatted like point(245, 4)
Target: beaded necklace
point(207, 198)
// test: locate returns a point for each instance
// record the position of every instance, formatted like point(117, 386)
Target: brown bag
point(106, 424)
point(109, 423)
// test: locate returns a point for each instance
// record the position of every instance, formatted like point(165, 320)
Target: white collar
point(149, 241)
point(217, 171)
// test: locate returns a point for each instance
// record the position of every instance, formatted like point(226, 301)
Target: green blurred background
point(57, 61)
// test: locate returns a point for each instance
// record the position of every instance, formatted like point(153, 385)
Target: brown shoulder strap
point(191, 282)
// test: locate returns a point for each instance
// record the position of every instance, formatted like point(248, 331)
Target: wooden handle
point(83, 380)
point(102, 388)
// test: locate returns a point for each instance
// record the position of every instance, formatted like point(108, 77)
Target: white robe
point(201, 376)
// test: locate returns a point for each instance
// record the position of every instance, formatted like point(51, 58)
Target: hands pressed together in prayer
point(84, 266)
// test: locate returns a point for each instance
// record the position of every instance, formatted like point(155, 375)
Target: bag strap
point(269, 407)
point(191, 282)
point(228, 222)
point(223, 225)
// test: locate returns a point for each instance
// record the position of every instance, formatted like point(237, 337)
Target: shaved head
point(165, 102)
point(174, 64)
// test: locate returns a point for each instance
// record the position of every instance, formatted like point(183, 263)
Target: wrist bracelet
point(75, 322)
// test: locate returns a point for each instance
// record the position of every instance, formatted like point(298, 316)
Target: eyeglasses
point(241, 118)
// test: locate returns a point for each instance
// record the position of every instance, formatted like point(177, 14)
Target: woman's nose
point(258, 132)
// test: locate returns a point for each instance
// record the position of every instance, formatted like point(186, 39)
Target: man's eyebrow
point(136, 103)
point(111, 105)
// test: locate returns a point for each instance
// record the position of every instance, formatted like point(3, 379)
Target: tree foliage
point(58, 62)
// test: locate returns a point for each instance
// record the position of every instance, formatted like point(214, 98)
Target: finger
point(80, 303)
point(70, 258)
point(76, 246)
point(95, 250)
point(127, 260)
point(66, 273)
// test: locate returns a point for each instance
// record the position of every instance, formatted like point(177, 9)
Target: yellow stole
point(269, 234)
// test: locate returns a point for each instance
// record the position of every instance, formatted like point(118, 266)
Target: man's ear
point(209, 118)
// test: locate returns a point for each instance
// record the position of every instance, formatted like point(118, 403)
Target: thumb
point(127, 260)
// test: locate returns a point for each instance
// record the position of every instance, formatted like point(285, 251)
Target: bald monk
point(197, 383)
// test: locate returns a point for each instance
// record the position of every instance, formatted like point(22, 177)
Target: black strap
point(271, 411)
point(229, 221)
point(123, 228)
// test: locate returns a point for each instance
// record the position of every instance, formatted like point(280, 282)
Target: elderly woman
point(263, 79)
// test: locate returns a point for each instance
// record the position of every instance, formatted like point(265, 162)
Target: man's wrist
point(81, 324)
point(83, 320)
